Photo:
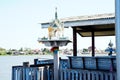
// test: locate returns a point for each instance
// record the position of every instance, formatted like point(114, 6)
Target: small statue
point(110, 49)
point(50, 32)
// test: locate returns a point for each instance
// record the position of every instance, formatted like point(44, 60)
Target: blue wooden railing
point(77, 74)
point(41, 71)
point(31, 73)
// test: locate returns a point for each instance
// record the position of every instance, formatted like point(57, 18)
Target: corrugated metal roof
point(85, 17)
point(91, 17)
point(100, 24)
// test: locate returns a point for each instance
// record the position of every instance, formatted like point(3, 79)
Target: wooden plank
point(115, 76)
point(93, 76)
point(20, 74)
point(76, 62)
point(111, 76)
point(114, 64)
point(62, 75)
point(90, 63)
point(101, 76)
point(38, 74)
point(65, 75)
point(27, 74)
point(13, 73)
point(80, 75)
point(88, 75)
point(84, 75)
point(35, 74)
point(106, 76)
point(96, 63)
point(104, 63)
point(69, 76)
point(97, 75)
point(76, 75)
point(73, 76)
point(41, 71)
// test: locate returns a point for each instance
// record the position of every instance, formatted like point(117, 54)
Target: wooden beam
point(74, 42)
point(97, 30)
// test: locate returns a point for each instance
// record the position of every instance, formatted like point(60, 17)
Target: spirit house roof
point(56, 22)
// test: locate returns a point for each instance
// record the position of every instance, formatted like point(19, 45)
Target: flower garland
point(54, 49)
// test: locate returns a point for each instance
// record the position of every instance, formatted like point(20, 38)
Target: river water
point(6, 63)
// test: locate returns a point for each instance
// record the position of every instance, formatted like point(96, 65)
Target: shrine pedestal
point(55, 44)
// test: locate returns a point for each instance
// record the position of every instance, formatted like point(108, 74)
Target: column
point(56, 65)
point(93, 44)
point(74, 42)
point(117, 32)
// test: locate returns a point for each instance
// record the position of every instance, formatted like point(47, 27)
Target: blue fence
point(68, 71)
point(41, 70)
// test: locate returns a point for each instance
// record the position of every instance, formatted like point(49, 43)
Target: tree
point(21, 49)
point(85, 50)
point(2, 51)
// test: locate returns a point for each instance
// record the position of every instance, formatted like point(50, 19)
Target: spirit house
point(56, 29)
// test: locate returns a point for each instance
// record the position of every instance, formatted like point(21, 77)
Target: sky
point(20, 20)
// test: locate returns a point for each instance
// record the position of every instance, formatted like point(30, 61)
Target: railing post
point(48, 73)
point(45, 77)
point(38, 73)
point(13, 73)
point(25, 65)
point(41, 73)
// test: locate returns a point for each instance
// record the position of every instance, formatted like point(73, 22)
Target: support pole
point(117, 32)
point(56, 65)
point(93, 44)
point(74, 42)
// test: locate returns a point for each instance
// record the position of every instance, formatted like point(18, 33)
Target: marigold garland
point(54, 49)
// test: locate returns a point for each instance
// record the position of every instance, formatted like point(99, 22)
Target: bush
point(2, 52)
point(9, 53)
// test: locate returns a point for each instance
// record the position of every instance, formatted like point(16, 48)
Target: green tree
point(85, 50)
point(9, 52)
point(21, 49)
point(2, 51)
